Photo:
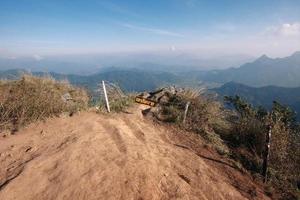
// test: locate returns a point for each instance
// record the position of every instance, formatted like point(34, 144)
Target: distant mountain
point(11, 74)
point(129, 79)
point(48, 65)
point(264, 71)
point(140, 80)
point(262, 96)
point(170, 61)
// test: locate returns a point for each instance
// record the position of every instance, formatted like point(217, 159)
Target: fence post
point(267, 153)
point(185, 111)
point(106, 98)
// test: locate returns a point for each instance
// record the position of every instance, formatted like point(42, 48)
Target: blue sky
point(40, 27)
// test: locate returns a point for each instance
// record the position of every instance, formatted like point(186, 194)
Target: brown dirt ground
point(116, 156)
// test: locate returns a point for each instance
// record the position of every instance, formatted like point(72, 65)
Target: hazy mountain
point(47, 65)
point(141, 80)
point(152, 61)
point(127, 79)
point(264, 71)
point(262, 96)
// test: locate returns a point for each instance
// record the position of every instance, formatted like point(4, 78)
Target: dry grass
point(34, 98)
point(203, 116)
point(240, 134)
point(118, 104)
point(190, 94)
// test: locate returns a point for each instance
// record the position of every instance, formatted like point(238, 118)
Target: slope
point(118, 156)
point(262, 96)
point(264, 71)
point(128, 79)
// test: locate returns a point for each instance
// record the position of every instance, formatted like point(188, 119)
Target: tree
point(284, 114)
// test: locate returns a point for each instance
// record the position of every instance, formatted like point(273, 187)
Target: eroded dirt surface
point(118, 156)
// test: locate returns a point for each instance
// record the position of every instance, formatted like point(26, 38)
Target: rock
point(164, 99)
point(66, 97)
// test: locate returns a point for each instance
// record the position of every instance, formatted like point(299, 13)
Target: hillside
point(122, 156)
point(151, 61)
point(129, 79)
point(48, 64)
point(262, 96)
point(264, 71)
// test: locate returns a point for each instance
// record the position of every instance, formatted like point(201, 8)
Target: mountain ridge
point(263, 71)
point(128, 79)
point(263, 96)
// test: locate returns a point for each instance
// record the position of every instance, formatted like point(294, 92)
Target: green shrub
point(203, 116)
point(248, 132)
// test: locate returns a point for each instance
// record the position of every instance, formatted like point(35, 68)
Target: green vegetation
point(35, 98)
point(262, 96)
point(240, 133)
point(131, 80)
point(203, 116)
point(247, 139)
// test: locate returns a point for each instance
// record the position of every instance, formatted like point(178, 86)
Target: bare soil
point(116, 156)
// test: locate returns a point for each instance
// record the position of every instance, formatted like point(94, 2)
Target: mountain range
point(262, 96)
point(174, 61)
point(130, 80)
point(264, 71)
point(260, 82)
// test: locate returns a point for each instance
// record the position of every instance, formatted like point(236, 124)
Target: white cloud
point(37, 57)
point(173, 48)
point(290, 29)
point(153, 30)
point(286, 30)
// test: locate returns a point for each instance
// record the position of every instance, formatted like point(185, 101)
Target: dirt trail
point(118, 156)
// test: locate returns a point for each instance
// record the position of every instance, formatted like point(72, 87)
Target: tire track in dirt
point(14, 168)
point(138, 133)
point(115, 136)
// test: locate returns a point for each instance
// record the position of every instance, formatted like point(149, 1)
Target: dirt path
point(120, 156)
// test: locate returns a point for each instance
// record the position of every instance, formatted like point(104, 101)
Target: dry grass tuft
point(35, 98)
point(118, 104)
point(203, 117)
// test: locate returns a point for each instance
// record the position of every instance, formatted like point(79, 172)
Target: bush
point(117, 104)
point(203, 115)
point(35, 98)
point(247, 137)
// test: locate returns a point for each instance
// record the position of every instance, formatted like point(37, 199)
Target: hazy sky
point(253, 27)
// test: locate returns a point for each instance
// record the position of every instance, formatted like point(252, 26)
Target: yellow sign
point(144, 101)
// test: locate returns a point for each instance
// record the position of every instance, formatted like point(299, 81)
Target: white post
point(106, 98)
point(185, 111)
point(267, 153)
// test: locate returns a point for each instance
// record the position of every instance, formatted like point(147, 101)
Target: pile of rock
point(160, 96)
point(163, 98)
